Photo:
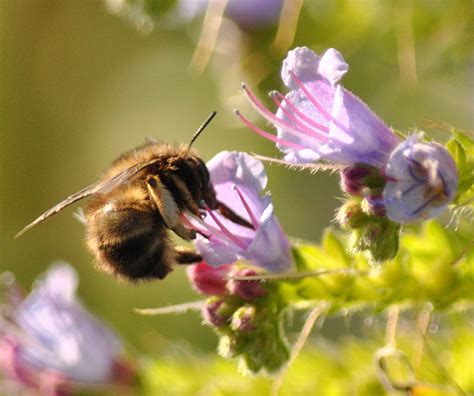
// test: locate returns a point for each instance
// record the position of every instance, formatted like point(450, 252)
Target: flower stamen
point(268, 135)
point(225, 230)
point(278, 122)
point(212, 230)
point(278, 98)
point(192, 226)
point(253, 219)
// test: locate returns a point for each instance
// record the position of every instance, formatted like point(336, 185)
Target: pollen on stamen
point(303, 127)
point(278, 98)
point(278, 122)
point(253, 219)
point(266, 134)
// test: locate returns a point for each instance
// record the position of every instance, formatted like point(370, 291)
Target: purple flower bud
point(238, 180)
point(422, 181)
point(51, 343)
point(359, 177)
point(243, 320)
point(217, 312)
point(248, 290)
point(319, 119)
point(207, 279)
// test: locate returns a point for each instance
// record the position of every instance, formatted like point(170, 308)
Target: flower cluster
point(50, 343)
point(245, 314)
point(319, 120)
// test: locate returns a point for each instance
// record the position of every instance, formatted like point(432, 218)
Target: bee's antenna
point(201, 128)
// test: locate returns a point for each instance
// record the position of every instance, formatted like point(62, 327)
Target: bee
point(137, 201)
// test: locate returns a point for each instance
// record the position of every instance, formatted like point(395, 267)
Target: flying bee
point(139, 198)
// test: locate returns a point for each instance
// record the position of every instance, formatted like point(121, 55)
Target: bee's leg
point(167, 207)
point(186, 256)
point(191, 204)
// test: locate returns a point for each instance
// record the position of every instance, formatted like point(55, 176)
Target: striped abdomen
point(128, 238)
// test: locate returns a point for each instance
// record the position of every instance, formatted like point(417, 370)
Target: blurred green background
point(80, 85)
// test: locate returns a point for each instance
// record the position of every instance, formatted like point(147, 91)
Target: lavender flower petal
point(238, 180)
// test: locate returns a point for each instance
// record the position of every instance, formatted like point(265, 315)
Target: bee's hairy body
point(127, 227)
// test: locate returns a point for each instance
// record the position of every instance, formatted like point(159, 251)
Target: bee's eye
point(204, 173)
point(151, 181)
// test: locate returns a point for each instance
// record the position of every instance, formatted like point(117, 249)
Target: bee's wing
point(98, 187)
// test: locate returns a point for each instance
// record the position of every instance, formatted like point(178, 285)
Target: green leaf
point(461, 147)
point(334, 247)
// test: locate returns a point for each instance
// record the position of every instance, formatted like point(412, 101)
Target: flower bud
point(356, 178)
point(207, 279)
point(217, 312)
point(423, 181)
point(351, 215)
point(381, 238)
point(243, 320)
point(246, 289)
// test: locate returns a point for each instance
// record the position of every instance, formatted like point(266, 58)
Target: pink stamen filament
point(318, 105)
point(268, 135)
point(278, 122)
point(278, 98)
point(253, 219)
point(210, 229)
point(225, 230)
point(307, 129)
point(192, 226)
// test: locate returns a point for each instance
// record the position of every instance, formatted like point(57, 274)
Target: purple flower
point(49, 338)
point(238, 180)
point(422, 181)
point(246, 13)
point(319, 119)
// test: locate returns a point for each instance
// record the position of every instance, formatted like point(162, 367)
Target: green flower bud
point(380, 237)
point(351, 215)
point(243, 320)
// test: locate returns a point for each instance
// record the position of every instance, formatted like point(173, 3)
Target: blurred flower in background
point(146, 15)
point(51, 344)
point(231, 28)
